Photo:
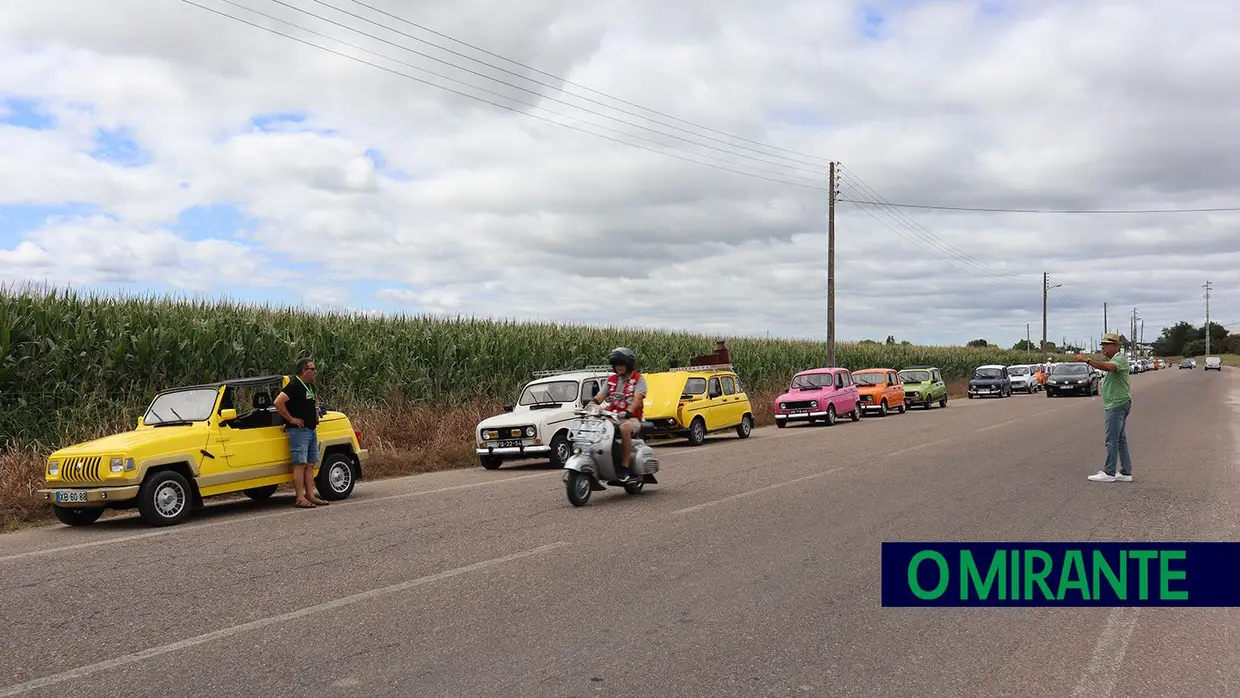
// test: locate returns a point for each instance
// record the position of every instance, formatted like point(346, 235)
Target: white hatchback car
point(537, 425)
point(1023, 378)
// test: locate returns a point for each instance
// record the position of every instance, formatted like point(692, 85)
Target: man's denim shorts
point(303, 445)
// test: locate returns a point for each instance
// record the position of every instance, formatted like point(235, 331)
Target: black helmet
point(622, 355)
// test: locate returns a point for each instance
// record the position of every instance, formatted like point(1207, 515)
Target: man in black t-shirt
point(296, 404)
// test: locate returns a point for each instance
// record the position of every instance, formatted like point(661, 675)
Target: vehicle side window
point(937, 376)
point(729, 388)
point(839, 381)
point(588, 390)
point(715, 390)
point(695, 386)
point(740, 387)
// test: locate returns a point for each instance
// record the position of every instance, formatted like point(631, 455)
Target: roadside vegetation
point(75, 367)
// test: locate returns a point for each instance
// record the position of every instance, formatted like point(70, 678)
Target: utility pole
point(1141, 334)
point(831, 270)
point(1207, 287)
point(1028, 340)
point(1104, 319)
point(1045, 288)
point(1044, 283)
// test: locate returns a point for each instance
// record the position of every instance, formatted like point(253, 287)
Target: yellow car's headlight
point(53, 468)
point(117, 465)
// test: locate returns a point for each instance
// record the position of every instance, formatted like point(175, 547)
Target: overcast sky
point(153, 145)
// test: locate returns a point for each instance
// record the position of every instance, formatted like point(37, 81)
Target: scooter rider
point(624, 393)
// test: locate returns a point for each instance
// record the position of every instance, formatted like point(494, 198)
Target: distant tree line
point(1186, 339)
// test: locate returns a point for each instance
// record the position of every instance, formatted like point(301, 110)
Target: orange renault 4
point(880, 389)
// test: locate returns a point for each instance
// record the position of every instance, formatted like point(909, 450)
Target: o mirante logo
point(1060, 574)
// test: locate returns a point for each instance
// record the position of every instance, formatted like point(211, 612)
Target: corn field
point(74, 364)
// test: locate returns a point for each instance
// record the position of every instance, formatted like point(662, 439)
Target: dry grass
point(403, 439)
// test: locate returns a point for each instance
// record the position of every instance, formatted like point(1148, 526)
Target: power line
point(1045, 210)
point(403, 20)
point(821, 170)
point(506, 84)
point(972, 264)
point(480, 99)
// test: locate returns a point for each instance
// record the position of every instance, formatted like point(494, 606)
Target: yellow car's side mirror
point(228, 415)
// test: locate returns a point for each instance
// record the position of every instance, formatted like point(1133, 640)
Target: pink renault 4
point(819, 394)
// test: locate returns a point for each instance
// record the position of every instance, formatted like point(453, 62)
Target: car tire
point(165, 498)
point(560, 449)
point(901, 408)
point(336, 478)
point(258, 494)
point(490, 462)
point(943, 401)
point(928, 402)
point(830, 418)
point(83, 516)
point(855, 415)
point(882, 408)
point(745, 428)
point(697, 432)
point(781, 424)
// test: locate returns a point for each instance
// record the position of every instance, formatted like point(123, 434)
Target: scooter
point(597, 447)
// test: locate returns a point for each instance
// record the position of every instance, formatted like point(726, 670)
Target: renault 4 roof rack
point(562, 371)
point(708, 367)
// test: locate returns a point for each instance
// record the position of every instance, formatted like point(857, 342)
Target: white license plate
point(511, 443)
point(798, 411)
point(70, 496)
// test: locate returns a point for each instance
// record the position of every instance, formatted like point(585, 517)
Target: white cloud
point(474, 209)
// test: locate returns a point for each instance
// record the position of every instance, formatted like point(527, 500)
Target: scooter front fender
point(581, 463)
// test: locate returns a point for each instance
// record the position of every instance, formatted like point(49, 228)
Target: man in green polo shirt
point(1116, 404)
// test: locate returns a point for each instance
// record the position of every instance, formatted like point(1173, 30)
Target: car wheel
point(830, 420)
point(927, 405)
point(77, 517)
point(165, 498)
point(491, 462)
point(882, 409)
point(745, 428)
point(855, 415)
point(943, 400)
point(336, 477)
point(901, 408)
point(560, 449)
point(261, 493)
point(781, 423)
point(697, 432)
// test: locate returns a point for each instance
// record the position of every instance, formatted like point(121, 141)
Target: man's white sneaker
point(1101, 476)
point(1123, 478)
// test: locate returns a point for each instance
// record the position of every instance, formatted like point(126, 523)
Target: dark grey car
point(1072, 379)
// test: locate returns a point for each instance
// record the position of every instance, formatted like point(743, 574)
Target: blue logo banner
point(1041, 573)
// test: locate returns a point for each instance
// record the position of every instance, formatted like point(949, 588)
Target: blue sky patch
point(16, 220)
point(118, 147)
point(219, 220)
point(274, 123)
point(25, 113)
point(871, 22)
point(383, 167)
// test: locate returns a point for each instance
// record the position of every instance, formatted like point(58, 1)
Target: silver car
point(1023, 378)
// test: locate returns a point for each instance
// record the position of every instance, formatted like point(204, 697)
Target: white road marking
point(335, 506)
point(750, 493)
point(79, 672)
point(997, 425)
point(1100, 676)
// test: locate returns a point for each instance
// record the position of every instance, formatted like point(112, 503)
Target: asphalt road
point(753, 569)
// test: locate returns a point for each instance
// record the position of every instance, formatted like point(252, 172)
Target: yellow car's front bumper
point(71, 497)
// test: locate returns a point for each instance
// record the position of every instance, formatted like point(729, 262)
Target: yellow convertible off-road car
point(196, 442)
